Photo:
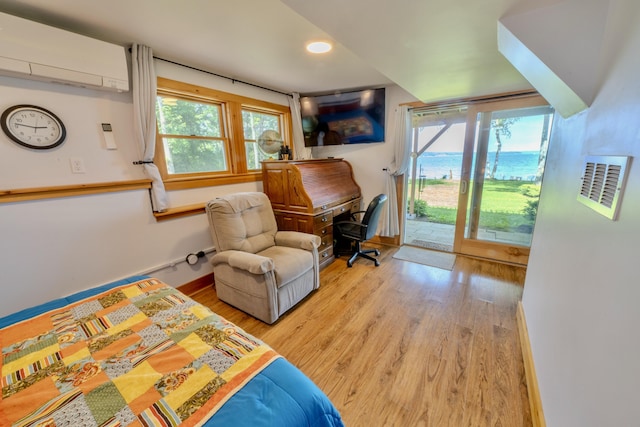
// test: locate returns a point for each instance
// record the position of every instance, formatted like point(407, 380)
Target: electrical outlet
point(77, 165)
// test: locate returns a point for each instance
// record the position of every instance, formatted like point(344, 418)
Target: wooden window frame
point(232, 106)
point(282, 121)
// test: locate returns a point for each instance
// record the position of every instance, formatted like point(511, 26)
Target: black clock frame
point(5, 128)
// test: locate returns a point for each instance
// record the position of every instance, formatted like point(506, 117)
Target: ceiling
point(434, 49)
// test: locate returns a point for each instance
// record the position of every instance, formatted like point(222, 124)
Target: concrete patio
point(440, 236)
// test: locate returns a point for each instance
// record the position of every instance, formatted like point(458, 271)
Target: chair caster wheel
point(377, 263)
point(349, 264)
point(377, 252)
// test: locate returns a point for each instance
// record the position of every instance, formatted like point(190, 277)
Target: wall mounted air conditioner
point(32, 50)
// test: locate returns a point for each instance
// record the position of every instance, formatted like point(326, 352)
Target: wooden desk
point(310, 195)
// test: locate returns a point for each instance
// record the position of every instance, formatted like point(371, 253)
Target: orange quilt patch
point(140, 354)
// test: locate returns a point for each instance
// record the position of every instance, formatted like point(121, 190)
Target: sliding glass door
point(476, 175)
point(505, 152)
point(434, 177)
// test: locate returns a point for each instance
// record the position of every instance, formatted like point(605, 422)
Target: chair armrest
point(254, 264)
point(353, 214)
point(297, 239)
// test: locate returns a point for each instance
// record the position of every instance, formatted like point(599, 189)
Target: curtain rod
point(224, 77)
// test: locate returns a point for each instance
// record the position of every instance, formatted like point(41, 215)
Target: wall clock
point(33, 127)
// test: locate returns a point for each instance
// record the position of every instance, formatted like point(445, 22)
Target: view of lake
point(511, 165)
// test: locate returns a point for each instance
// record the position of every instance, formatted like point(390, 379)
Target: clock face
point(33, 127)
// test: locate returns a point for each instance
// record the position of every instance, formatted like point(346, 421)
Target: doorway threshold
point(443, 247)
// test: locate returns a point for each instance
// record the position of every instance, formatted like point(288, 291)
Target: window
point(206, 137)
point(254, 124)
point(193, 138)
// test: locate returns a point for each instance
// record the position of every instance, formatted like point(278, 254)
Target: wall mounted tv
point(343, 118)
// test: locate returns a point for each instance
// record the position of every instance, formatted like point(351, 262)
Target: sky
point(525, 136)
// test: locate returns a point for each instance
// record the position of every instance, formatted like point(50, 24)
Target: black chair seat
point(358, 232)
point(350, 231)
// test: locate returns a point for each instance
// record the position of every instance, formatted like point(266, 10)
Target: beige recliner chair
point(258, 269)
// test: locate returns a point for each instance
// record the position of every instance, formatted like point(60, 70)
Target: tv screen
point(343, 118)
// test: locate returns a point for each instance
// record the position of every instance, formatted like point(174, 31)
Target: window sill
point(191, 182)
point(179, 212)
point(188, 183)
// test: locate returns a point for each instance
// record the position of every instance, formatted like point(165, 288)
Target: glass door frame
point(443, 119)
point(480, 248)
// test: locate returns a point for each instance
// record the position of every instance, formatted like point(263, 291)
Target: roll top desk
point(310, 195)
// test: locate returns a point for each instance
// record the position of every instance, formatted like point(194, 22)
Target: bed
point(137, 352)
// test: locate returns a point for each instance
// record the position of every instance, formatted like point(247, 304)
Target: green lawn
point(508, 196)
point(506, 205)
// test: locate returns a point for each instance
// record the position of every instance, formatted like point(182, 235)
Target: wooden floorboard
point(405, 344)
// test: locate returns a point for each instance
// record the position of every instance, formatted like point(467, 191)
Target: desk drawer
point(344, 210)
point(326, 241)
point(322, 220)
point(323, 230)
point(326, 255)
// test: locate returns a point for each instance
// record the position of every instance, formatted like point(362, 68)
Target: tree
point(502, 128)
point(544, 145)
point(194, 144)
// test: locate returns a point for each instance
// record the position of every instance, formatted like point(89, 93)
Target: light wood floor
point(405, 344)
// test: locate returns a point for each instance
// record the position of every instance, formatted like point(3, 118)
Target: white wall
point(582, 289)
point(82, 112)
point(53, 247)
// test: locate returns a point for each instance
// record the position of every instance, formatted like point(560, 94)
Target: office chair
point(358, 232)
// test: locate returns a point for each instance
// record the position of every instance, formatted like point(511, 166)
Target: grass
point(489, 220)
point(506, 206)
point(508, 196)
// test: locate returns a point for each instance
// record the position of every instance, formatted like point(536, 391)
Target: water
point(511, 165)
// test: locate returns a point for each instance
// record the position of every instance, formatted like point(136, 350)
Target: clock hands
point(33, 127)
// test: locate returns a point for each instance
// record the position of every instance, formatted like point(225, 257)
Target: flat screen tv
point(343, 118)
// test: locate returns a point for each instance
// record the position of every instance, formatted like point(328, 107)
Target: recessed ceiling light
point(319, 47)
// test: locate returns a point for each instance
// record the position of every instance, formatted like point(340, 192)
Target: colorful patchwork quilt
point(137, 354)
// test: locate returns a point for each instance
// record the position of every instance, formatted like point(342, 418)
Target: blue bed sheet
point(279, 396)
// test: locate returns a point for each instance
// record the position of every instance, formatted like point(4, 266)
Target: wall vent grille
point(603, 180)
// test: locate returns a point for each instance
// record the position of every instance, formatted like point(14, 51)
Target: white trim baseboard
point(537, 415)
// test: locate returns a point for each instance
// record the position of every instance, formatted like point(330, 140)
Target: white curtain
point(300, 151)
point(390, 224)
point(144, 87)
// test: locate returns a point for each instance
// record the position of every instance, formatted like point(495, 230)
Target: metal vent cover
point(603, 179)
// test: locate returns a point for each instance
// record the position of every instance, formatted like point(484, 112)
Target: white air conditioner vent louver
point(603, 180)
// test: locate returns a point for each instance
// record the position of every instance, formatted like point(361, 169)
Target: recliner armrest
point(297, 239)
point(255, 264)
